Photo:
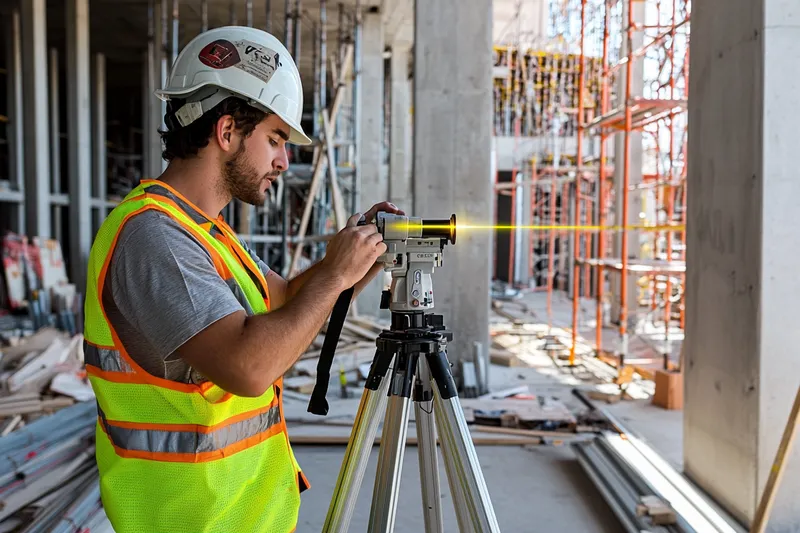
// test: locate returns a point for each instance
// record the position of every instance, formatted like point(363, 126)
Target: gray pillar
point(742, 242)
point(154, 106)
point(374, 185)
point(55, 144)
point(635, 159)
point(99, 138)
point(400, 192)
point(15, 132)
point(452, 156)
point(79, 146)
point(36, 118)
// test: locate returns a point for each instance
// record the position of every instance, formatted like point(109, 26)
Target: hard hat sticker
point(219, 54)
point(258, 60)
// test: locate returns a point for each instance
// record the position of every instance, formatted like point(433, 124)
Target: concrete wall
point(374, 182)
point(742, 288)
point(452, 155)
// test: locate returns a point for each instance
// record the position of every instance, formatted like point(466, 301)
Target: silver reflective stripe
point(105, 359)
point(160, 441)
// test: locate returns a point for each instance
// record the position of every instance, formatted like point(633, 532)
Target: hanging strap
point(318, 404)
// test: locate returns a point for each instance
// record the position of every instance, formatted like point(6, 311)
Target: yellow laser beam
point(584, 228)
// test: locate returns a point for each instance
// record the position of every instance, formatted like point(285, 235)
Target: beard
point(242, 180)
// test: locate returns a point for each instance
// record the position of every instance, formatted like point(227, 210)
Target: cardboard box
point(669, 389)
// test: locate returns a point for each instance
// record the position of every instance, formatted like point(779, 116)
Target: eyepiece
point(437, 227)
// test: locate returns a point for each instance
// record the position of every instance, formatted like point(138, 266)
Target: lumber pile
point(41, 374)
point(48, 472)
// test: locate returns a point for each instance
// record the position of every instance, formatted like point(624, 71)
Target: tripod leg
point(362, 438)
point(393, 444)
point(426, 448)
point(457, 447)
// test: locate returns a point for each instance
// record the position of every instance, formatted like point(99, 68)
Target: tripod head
point(414, 248)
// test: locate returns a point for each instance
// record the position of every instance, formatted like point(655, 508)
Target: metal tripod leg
point(393, 444)
point(362, 439)
point(426, 448)
point(464, 469)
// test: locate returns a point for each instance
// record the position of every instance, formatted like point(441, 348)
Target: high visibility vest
point(176, 457)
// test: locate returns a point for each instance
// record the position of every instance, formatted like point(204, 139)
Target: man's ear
point(224, 132)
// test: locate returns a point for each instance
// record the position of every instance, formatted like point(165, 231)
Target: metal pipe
point(287, 29)
point(100, 151)
point(16, 154)
point(601, 181)
point(55, 138)
point(576, 241)
point(626, 176)
point(323, 54)
point(296, 34)
point(232, 13)
point(315, 93)
point(175, 30)
point(356, 189)
point(248, 10)
point(204, 16)
point(268, 12)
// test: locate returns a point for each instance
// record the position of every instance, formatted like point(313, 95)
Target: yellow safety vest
point(176, 457)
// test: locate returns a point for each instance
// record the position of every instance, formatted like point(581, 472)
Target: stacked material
point(39, 375)
point(48, 475)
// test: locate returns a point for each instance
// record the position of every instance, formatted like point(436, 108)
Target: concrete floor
point(540, 489)
point(533, 488)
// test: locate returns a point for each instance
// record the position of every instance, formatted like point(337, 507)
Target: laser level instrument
point(414, 249)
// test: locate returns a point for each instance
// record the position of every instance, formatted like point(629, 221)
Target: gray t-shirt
point(161, 290)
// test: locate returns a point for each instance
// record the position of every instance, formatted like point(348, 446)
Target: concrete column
point(635, 160)
point(452, 156)
point(15, 131)
point(155, 78)
point(742, 242)
point(79, 146)
point(373, 186)
point(99, 139)
point(400, 192)
point(36, 117)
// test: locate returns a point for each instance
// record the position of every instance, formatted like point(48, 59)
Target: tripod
point(416, 344)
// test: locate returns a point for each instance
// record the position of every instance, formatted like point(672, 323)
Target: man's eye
point(273, 142)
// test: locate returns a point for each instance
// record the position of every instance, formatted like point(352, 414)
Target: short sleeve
point(164, 282)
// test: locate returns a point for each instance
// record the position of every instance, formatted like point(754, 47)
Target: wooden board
point(529, 413)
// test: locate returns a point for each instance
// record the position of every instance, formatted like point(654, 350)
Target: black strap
point(318, 404)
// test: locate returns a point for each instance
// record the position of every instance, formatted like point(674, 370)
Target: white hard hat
point(237, 61)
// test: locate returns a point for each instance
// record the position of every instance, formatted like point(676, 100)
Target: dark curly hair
point(185, 142)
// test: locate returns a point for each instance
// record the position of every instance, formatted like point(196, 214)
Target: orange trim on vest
point(179, 195)
point(219, 263)
point(201, 457)
point(141, 375)
point(195, 428)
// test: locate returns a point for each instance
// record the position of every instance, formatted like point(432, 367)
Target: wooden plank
point(778, 468)
point(338, 202)
point(321, 161)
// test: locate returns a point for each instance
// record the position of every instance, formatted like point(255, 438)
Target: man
point(187, 331)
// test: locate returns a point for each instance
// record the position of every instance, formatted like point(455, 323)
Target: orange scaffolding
point(660, 113)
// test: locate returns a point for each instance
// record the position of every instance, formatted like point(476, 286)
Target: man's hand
point(353, 251)
point(383, 206)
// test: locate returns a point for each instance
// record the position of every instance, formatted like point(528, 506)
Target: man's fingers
point(375, 239)
point(353, 220)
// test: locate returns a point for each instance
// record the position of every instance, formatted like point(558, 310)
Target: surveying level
point(410, 364)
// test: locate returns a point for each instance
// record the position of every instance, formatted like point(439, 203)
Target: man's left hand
point(382, 207)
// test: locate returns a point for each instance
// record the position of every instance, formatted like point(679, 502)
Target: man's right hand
point(353, 251)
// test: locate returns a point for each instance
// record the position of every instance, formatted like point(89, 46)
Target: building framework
point(101, 139)
point(620, 186)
